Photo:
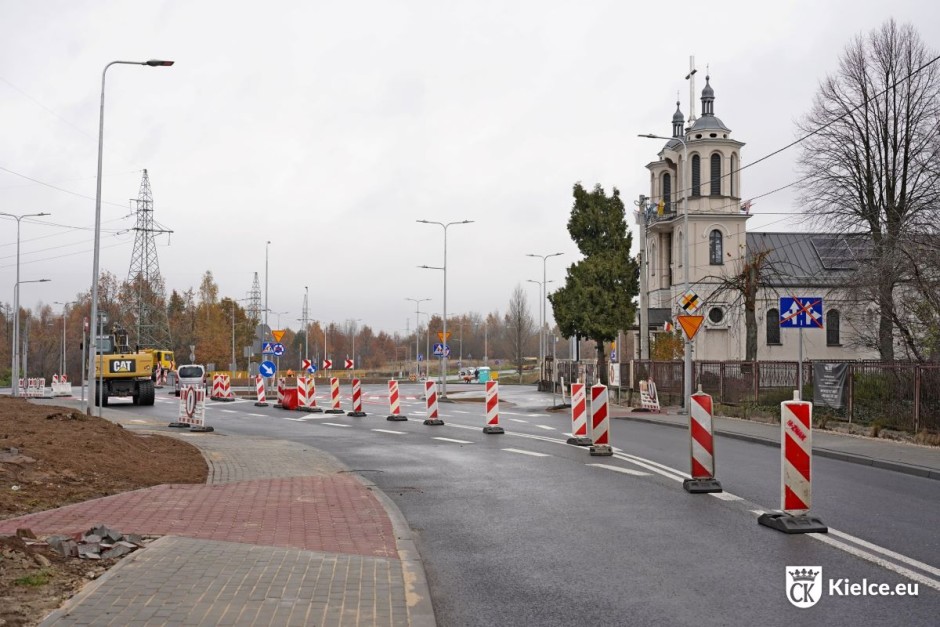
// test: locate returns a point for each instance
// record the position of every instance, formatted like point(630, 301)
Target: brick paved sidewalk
point(281, 535)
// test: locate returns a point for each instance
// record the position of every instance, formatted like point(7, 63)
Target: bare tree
point(871, 158)
point(520, 328)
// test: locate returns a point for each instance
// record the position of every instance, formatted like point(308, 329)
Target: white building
point(706, 158)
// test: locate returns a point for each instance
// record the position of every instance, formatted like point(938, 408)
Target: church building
point(694, 240)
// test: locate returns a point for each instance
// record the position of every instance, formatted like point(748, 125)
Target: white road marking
point(726, 496)
point(521, 452)
point(390, 431)
point(865, 555)
point(453, 440)
point(258, 415)
point(658, 471)
point(517, 420)
point(545, 427)
point(626, 471)
point(335, 424)
point(231, 411)
point(886, 552)
point(304, 419)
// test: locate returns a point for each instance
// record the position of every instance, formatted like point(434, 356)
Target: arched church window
point(667, 191)
point(716, 248)
point(773, 327)
point(716, 175)
point(696, 175)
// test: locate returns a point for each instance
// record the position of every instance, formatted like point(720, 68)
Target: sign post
point(801, 312)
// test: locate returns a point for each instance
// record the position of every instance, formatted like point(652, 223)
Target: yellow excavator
point(121, 372)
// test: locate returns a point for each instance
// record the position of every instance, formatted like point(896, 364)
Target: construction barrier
point(356, 400)
point(307, 395)
point(430, 398)
point(334, 397)
point(61, 386)
point(222, 388)
point(259, 389)
point(600, 422)
point(796, 455)
point(701, 447)
point(579, 436)
point(280, 392)
point(394, 403)
point(492, 408)
point(649, 400)
point(192, 409)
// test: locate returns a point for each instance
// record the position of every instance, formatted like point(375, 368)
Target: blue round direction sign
point(267, 369)
point(278, 349)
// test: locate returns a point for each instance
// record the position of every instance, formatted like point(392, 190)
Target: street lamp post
point(417, 302)
point(15, 353)
point(542, 310)
point(94, 274)
point(687, 365)
point(444, 269)
point(264, 332)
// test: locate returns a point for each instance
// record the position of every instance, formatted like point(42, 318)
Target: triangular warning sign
point(690, 324)
point(278, 335)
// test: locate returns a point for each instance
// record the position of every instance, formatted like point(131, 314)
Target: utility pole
point(642, 219)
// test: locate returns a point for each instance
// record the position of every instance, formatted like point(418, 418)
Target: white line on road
point(258, 415)
point(886, 552)
point(453, 440)
point(865, 555)
point(517, 420)
point(643, 464)
point(335, 424)
point(626, 471)
point(390, 431)
point(521, 452)
point(545, 427)
point(726, 496)
point(231, 411)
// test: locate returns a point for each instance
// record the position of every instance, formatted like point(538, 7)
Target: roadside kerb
point(907, 469)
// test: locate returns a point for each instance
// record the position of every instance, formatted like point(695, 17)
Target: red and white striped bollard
point(701, 447)
point(600, 422)
point(796, 454)
point(259, 389)
point(334, 397)
point(394, 403)
point(430, 397)
point(356, 400)
point(579, 436)
point(492, 408)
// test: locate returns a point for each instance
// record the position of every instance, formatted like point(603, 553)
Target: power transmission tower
point(254, 308)
point(149, 306)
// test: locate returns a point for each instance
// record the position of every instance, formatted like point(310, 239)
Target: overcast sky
point(329, 128)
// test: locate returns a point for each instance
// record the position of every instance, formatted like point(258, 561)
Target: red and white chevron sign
point(349, 364)
point(305, 364)
point(327, 364)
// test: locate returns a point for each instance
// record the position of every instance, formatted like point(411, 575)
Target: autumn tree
point(520, 328)
point(870, 161)
point(597, 299)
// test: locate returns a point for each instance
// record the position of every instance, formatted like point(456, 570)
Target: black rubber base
point(179, 425)
point(397, 417)
point(493, 429)
point(702, 486)
point(435, 422)
point(334, 411)
point(311, 410)
point(792, 524)
point(601, 450)
point(261, 404)
point(581, 441)
point(223, 399)
point(356, 414)
point(201, 429)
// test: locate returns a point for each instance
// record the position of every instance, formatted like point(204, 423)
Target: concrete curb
point(417, 592)
point(852, 458)
point(91, 587)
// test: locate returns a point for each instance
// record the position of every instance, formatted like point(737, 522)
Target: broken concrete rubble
point(100, 542)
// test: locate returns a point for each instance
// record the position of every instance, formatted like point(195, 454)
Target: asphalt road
point(523, 529)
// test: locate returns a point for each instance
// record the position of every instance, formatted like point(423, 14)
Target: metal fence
point(900, 395)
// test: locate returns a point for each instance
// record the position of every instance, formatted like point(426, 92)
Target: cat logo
point(122, 365)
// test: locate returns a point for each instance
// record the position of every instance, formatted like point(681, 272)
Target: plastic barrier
point(394, 403)
point(701, 447)
point(492, 408)
point(579, 436)
point(796, 456)
point(356, 400)
point(600, 422)
point(259, 389)
point(334, 397)
point(430, 398)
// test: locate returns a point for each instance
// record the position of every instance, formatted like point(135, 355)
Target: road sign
point(277, 335)
point(267, 369)
point(690, 324)
point(278, 349)
point(305, 364)
point(801, 312)
point(613, 355)
point(312, 368)
point(690, 302)
point(327, 364)
point(420, 356)
point(440, 334)
point(441, 349)
point(349, 364)
point(267, 348)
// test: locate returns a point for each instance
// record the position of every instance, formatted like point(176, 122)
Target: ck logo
point(122, 365)
point(804, 585)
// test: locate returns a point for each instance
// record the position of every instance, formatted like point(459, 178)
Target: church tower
point(697, 175)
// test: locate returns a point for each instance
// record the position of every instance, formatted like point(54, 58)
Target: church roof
point(810, 259)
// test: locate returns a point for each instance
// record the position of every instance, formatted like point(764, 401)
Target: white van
point(190, 374)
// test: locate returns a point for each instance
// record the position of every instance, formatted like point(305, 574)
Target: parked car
point(190, 374)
